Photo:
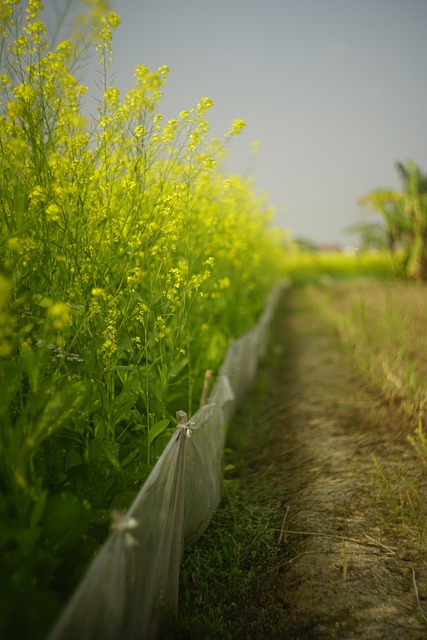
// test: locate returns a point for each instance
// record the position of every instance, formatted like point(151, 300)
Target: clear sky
point(334, 90)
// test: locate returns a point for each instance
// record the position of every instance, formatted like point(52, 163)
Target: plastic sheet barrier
point(131, 587)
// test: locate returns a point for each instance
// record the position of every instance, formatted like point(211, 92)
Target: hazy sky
point(334, 90)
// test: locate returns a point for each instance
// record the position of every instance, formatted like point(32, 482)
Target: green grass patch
point(228, 588)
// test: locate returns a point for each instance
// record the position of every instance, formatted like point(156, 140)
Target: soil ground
point(352, 560)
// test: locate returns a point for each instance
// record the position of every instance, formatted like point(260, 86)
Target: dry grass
point(384, 325)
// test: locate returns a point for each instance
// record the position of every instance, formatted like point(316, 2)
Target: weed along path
point(320, 533)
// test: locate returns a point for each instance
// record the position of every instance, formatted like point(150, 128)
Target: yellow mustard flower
point(59, 315)
point(53, 212)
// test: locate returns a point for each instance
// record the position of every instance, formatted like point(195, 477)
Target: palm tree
point(389, 204)
point(415, 209)
point(405, 217)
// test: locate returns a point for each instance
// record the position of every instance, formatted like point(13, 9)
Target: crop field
point(124, 272)
point(320, 266)
point(128, 261)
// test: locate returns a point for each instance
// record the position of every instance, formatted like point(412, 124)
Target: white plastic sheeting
point(131, 587)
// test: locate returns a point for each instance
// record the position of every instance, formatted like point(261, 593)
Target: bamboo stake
point(206, 387)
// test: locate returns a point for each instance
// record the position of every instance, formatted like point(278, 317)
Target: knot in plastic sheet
point(184, 423)
point(124, 524)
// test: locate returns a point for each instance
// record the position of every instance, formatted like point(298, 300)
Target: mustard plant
point(128, 259)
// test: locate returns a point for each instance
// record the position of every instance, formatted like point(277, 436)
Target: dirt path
point(351, 559)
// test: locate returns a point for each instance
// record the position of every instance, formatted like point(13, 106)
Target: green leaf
point(161, 442)
point(179, 366)
point(10, 381)
point(61, 406)
point(123, 500)
point(110, 452)
point(139, 427)
point(156, 391)
point(73, 459)
point(121, 406)
point(157, 429)
point(31, 366)
point(38, 510)
point(42, 301)
point(65, 520)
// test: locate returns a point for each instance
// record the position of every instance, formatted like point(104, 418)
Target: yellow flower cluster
point(122, 237)
point(128, 259)
point(59, 315)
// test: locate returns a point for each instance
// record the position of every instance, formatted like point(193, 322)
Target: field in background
point(318, 266)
